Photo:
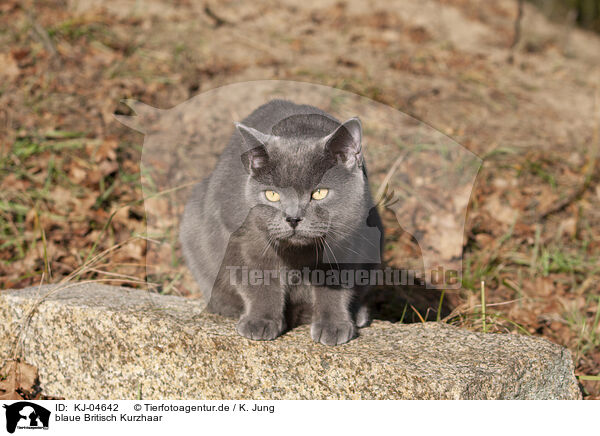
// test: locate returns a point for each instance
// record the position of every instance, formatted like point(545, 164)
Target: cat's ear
point(344, 144)
point(256, 158)
point(252, 137)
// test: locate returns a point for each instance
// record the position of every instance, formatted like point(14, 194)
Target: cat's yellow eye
point(272, 196)
point(320, 194)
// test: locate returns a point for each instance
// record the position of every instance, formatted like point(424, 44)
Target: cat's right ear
point(256, 157)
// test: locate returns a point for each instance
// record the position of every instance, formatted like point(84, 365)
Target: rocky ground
point(162, 347)
point(69, 173)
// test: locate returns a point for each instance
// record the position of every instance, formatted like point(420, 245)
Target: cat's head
point(307, 179)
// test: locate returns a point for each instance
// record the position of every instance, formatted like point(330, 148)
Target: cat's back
point(270, 114)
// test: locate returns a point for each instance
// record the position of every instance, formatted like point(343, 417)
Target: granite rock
point(92, 341)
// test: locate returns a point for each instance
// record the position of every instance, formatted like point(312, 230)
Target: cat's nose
point(293, 221)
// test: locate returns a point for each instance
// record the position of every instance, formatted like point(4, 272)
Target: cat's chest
point(266, 252)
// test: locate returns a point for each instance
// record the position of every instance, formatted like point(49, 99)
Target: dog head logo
point(26, 415)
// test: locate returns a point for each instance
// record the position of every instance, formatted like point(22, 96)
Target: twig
point(44, 38)
point(122, 276)
point(218, 20)
point(517, 32)
point(386, 180)
point(562, 204)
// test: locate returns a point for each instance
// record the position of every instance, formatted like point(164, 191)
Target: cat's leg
point(363, 318)
point(363, 315)
point(332, 322)
point(263, 318)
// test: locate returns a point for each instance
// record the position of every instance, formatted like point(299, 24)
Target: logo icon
point(26, 415)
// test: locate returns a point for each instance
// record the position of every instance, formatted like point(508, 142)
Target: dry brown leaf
point(77, 174)
point(107, 150)
point(108, 167)
point(501, 210)
point(485, 241)
point(17, 378)
point(545, 286)
point(568, 227)
point(10, 396)
point(9, 69)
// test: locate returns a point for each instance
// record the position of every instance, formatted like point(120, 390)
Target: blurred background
point(516, 82)
point(584, 13)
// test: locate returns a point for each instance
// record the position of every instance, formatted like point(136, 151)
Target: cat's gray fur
point(293, 150)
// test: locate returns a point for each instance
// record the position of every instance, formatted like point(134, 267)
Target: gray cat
point(289, 193)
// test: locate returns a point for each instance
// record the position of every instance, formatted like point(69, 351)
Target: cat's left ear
point(344, 144)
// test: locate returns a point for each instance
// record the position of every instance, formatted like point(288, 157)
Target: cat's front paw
point(260, 329)
point(333, 333)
